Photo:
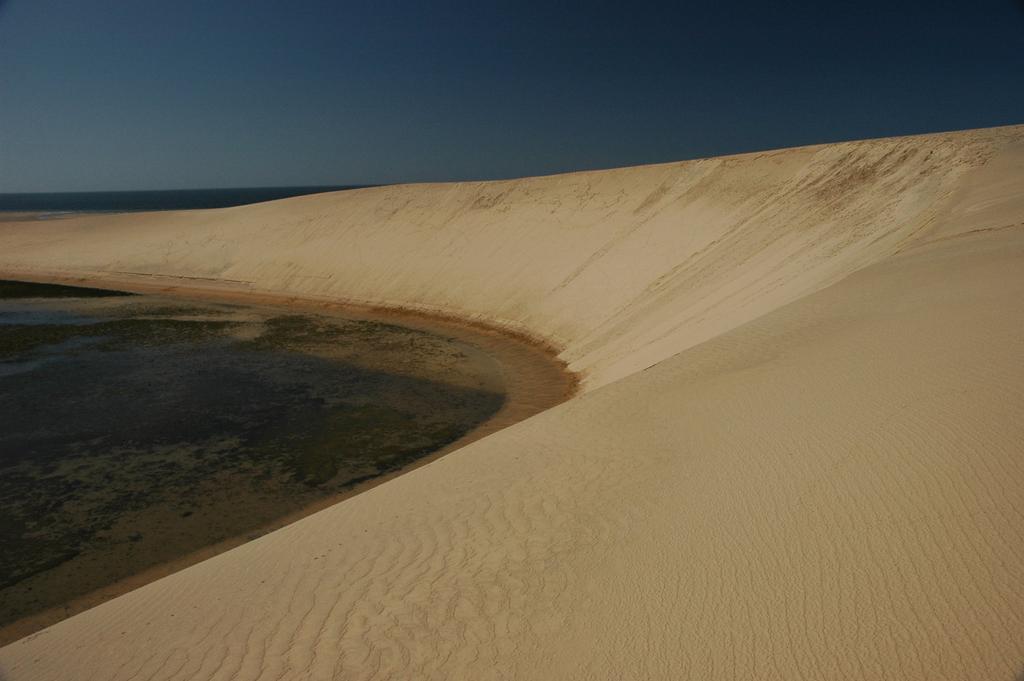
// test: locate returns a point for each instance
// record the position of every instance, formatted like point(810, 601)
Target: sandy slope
point(799, 453)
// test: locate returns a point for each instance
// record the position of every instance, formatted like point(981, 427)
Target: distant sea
point(172, 199)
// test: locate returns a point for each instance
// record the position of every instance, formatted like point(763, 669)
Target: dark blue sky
point(139, 94)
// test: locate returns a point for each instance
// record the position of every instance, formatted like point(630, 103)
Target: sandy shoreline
point(534, 381)
point(795, 451)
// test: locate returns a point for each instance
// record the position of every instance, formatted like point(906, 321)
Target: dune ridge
point(796, 454)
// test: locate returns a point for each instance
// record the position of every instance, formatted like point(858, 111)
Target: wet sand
point(528, 376)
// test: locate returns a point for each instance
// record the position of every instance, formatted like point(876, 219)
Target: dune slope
point(797, 453)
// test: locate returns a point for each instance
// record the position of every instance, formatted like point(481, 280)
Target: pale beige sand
point(798, 454)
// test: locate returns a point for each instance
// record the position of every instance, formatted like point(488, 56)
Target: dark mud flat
point(24, 289)
point(136, 429)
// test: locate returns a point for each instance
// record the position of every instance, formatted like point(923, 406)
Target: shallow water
point(21, 313)
point(135, 430)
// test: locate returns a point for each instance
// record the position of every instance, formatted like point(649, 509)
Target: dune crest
point(797, 453)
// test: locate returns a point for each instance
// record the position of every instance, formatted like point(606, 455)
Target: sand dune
point(798, 452)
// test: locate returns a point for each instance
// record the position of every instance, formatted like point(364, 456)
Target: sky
point(104, 95)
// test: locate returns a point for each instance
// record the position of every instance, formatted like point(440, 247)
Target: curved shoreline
point(534, 380)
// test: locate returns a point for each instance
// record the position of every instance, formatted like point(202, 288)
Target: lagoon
point(136, 430)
